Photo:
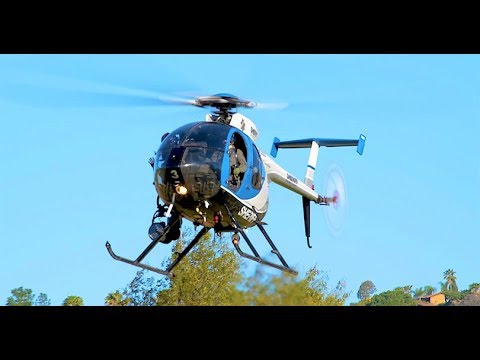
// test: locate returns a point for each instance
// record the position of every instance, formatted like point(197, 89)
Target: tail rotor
point(336, 214)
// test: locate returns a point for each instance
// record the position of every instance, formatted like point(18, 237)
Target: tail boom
point(280, 176)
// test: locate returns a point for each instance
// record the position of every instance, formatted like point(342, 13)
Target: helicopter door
point(237, 161)
point(243, 170)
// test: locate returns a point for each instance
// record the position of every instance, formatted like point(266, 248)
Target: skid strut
point(168, 271)
point(257, 257)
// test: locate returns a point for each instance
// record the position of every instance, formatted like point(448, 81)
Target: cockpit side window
point(237, 152)
point(257, 170)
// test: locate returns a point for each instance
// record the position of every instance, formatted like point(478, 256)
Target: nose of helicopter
point(193, 173)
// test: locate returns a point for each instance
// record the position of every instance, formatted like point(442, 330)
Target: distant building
point(432, 300)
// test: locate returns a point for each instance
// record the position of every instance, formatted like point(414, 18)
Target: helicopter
point(212, 173)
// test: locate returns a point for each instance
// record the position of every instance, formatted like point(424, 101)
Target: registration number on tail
point(247, 214)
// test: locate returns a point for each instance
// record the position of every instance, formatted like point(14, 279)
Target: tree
point(366, 290)
point(424, 291)
point(429, 290)
point(396, 297)
point(474, 288)
point(450, 280)
point(283, 289)
point(419, 292)
point(453, 296)
point(21, 297)
point(73, 300)
point(43, 300)
point(116, 299)
point(141, 291)
point(208, 275)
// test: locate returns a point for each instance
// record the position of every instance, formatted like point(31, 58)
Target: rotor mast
point(224, 103)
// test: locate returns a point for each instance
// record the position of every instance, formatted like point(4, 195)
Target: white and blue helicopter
point(198, 176)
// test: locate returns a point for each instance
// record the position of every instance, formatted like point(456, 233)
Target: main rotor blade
point(60, 82)
point(272, 106)
point(51, 95)
point(62, 98)
point(133, 71)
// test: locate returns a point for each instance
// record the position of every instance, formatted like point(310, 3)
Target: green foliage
point(366, 290)
point(450, 281)
point(400, 296)
point(73, 300)
point(116, 299)
point(419, 292)
point(451, 295)
point(283, 289)
point(141, 291)
point(474, 288)
point(26, 297)
point(21, 297)
point(42, 300)
point(211, 275)
point(430, 290)
point(365, 302)
point(424, 291)
point(208, 275)
point(407, 289)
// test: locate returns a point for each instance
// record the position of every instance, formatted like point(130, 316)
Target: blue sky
point(74, 177)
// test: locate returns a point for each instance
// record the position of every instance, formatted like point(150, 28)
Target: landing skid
point(236, 239)
point(169, 270)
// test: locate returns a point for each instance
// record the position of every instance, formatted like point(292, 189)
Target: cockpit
point(196, 159)
point(190, 158)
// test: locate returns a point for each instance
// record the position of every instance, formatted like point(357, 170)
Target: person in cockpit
point(238, 163)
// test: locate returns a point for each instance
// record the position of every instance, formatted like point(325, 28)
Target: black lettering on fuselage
point(292, 179)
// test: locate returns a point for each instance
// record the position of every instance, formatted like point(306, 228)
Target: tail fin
point(312, 163)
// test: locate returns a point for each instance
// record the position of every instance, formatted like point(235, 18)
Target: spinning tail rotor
point(335, 190)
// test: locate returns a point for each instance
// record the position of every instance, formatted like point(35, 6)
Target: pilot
point(201, 180)
point(238, 163)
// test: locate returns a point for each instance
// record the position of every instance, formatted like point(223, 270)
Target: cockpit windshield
point(191, 149)
point(209, 136)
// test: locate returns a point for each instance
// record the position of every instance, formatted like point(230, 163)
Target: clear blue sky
point(73, 177)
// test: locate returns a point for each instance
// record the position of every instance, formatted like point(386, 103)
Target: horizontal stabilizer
point(307, 143)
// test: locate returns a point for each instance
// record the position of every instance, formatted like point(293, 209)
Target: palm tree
point(429, 290)
point(73, 301)
point(450, 280)
point(418, 292)
point(116, 299)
